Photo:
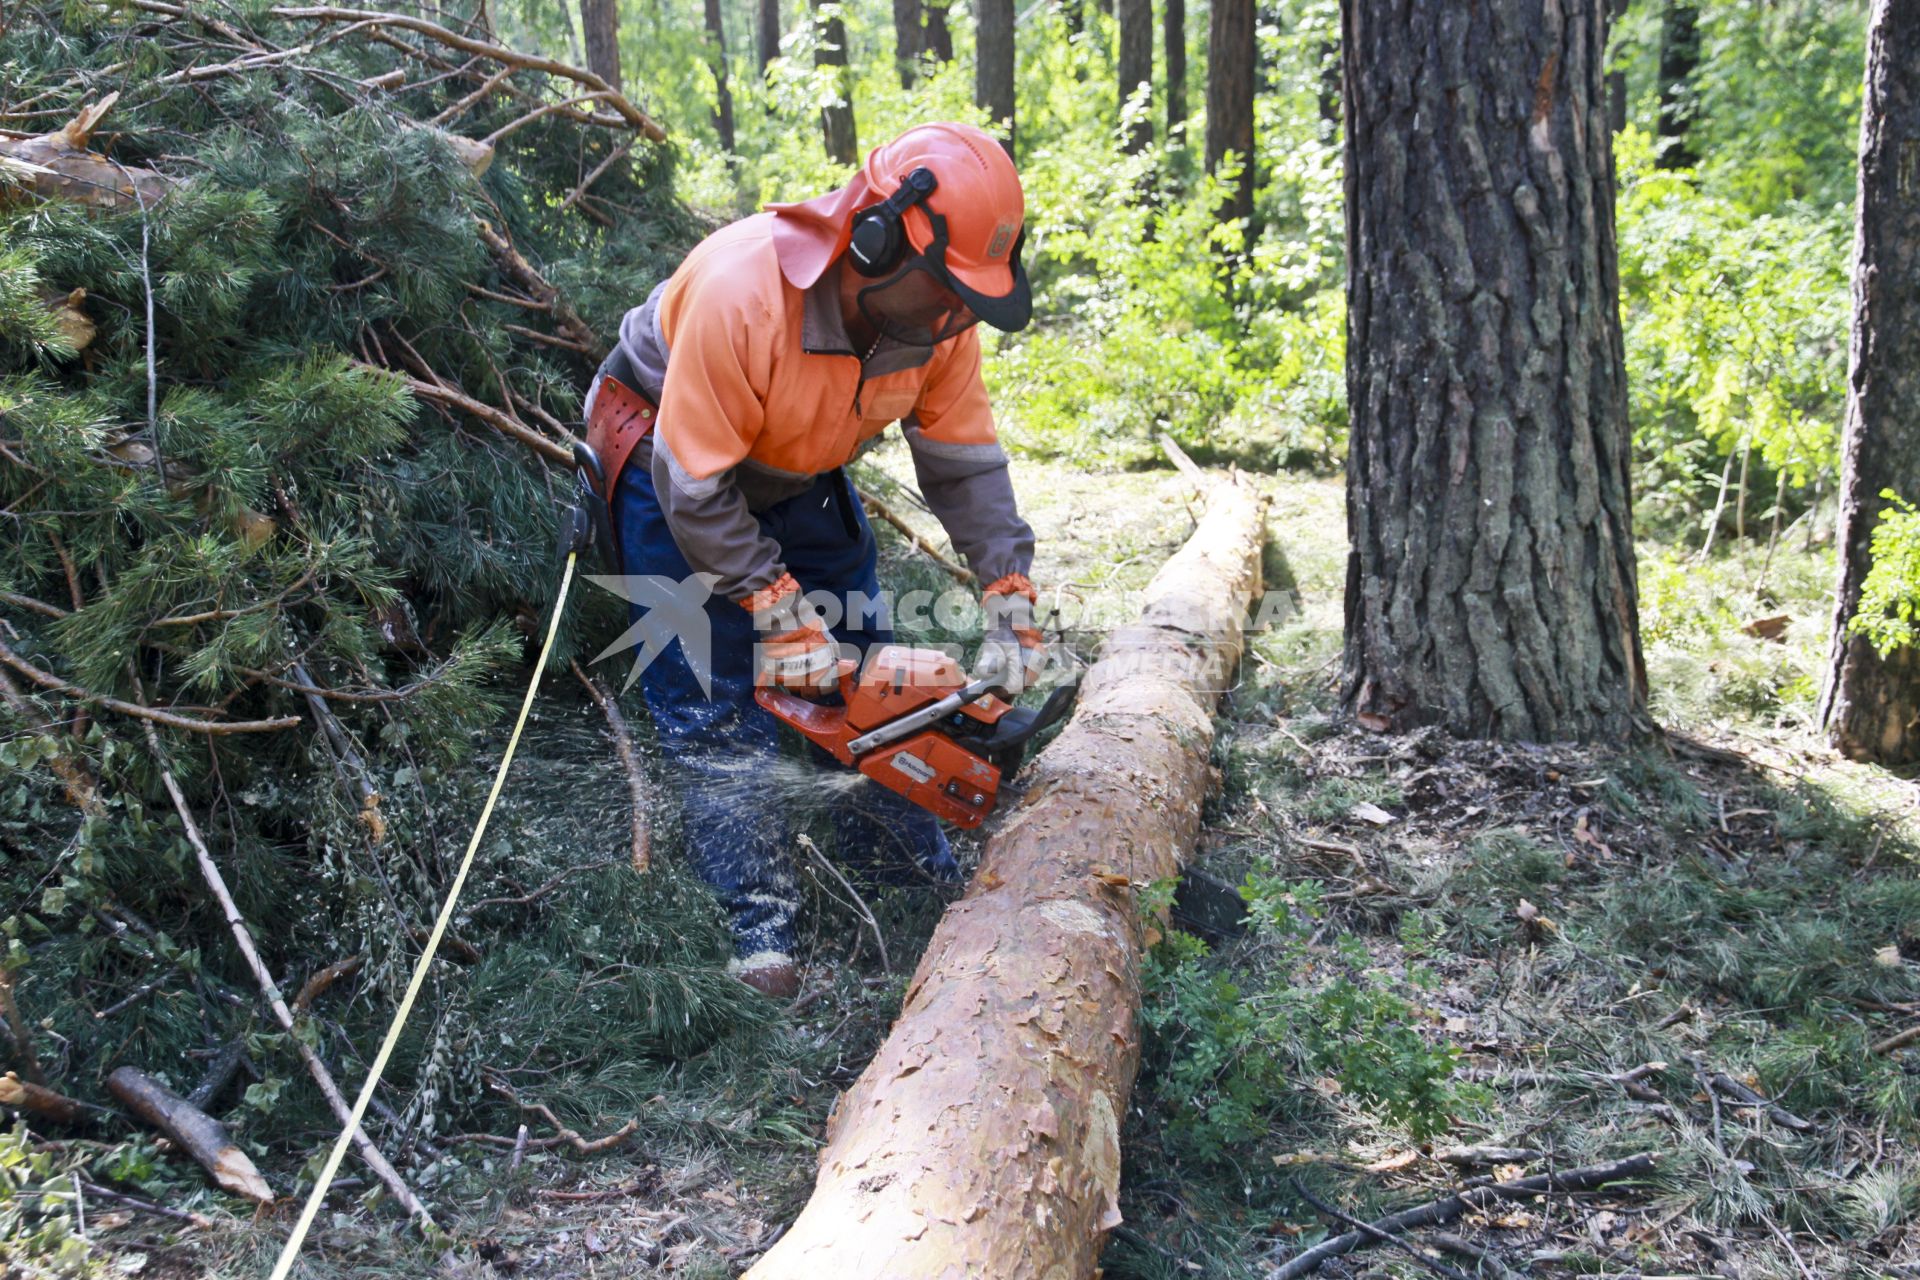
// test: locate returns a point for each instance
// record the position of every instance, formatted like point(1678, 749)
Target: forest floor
point(1574, 954)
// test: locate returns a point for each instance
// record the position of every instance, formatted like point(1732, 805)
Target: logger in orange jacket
point(783, 345)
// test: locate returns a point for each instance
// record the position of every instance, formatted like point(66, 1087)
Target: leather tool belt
point(621, 419)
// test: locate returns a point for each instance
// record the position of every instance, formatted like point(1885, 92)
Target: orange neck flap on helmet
point(809, 234)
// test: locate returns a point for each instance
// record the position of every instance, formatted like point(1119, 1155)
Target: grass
point(1578, 912)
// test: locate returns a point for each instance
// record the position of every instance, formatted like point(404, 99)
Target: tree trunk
point(717, 59)
point(836, 119)
point(906, 39)
point(1872, 704)
point(1136, 67)
point(984, 1138)
point(769, 33)
point(993, 63)
point(600, 20)
point(939, 35)
point(1174, 21)
point(1491, 576)
point(1679, 56)
point(1230, 69)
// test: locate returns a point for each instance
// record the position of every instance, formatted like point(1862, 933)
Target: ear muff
point(879, 236)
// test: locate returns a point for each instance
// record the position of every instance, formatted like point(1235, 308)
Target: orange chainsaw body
point(933, 767)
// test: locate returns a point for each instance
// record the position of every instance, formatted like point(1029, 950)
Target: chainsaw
point(912, 722)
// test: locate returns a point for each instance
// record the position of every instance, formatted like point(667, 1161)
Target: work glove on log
point(1012, 650)
point(793, 650)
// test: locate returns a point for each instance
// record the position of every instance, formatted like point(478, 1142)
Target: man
point(780, 347)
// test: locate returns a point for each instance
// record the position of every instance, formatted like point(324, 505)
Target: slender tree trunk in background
point(906, 38)
point(600, 20)
point(938, 35)
point(1175, 22)
point(1330, 83)
point(1679, 56)
point(1136, 66)
point(768, 31)
point(836, 119)
point(717, 59)
point(1872, 704)
point(993, 63)
point(575, 54)
point(1230, 68)
point(1491, 578)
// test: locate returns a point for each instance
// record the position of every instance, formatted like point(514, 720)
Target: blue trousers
point(736, 792)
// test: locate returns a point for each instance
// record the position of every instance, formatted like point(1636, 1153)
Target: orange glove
point(1012, 648)
point(793, 650)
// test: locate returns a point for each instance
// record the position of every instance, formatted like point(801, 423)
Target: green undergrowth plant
point(41, 1227)
point(1233, 1036)
point(1889, 612)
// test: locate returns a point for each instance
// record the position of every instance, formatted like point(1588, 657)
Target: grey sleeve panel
point(971, 493)
point(713, 529)
point(645, 346)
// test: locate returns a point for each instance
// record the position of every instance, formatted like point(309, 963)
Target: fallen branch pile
point(297, 307)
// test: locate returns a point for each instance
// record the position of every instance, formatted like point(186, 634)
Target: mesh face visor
point(924, 303)
point(914, 306)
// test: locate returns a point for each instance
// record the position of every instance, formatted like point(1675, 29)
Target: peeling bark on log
point(199, 1134)
point(984, 1138)
point(58, 166)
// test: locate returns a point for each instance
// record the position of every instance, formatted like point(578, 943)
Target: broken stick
point(1453, 1206)
point(196, 1132)
point(641, 821)
point(243, 938)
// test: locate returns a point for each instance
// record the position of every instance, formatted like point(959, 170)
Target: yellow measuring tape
point(292, 1248)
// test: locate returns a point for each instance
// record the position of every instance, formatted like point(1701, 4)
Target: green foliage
point(1736, 328)
point(1229, 1046)
point(1889, 612)
point(40, 1237)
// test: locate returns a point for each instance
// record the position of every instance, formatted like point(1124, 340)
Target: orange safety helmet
point(951, 194)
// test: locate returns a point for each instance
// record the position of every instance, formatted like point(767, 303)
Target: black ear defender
point(879, 236)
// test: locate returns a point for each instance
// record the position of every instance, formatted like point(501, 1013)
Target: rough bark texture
point(1491, 581)
point(906, 39)
point(836, 118)
point(600, 20)
point(993, 63)
point(1872, 704)
point(984, 1138)
point(1135, 66)
point(1174, 32)
point(717, 59)
point(1679, 56)
point(1230, 68)
point(768, 28)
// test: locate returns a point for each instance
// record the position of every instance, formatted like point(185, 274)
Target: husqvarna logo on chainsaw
point(1002, 237)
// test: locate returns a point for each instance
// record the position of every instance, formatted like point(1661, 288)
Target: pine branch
point(47, 680)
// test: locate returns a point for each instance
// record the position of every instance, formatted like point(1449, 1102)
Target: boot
point(771, 973)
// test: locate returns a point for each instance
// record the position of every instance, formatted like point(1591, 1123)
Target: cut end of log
point(77, 132)
point(477, 156)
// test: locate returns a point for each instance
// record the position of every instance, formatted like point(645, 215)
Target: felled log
point(984, 1138)
point(58, 166)
point(196, 1132)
